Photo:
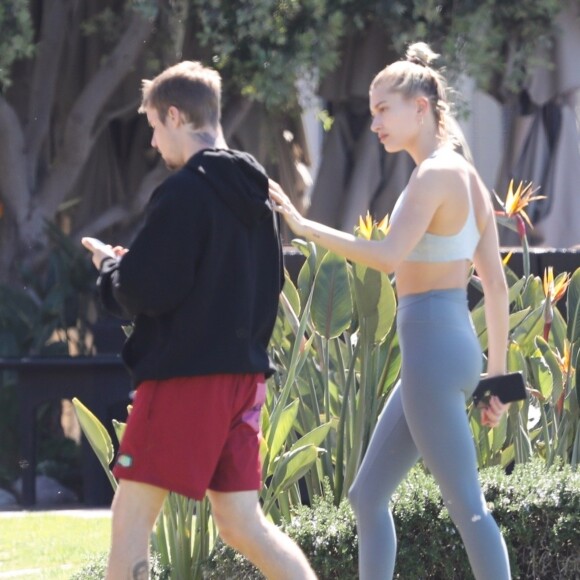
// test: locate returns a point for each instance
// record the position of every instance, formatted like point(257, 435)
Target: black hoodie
point(203, 276)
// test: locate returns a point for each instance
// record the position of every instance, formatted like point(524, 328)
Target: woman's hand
point(491, 413)
point(283, 205)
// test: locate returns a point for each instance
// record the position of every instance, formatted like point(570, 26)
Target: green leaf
point(558, 331)
point(533, 294)
point(299, 356)
point(543, 377)
point(478, 313)
point(575, 457)
point(577, 379)
point(527, 329)
point(280, 429)
point(549, 358)
point(331, 308)
point(308, 270)
point(292, 465)
point(119, 429)
point(97, 436)
point(573, 309)
point(314, 437)
point(507, 455)
point(291, 293)
point(515, 320)
point(499, 434)
point(375, 302)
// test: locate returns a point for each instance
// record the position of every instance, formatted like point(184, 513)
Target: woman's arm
point(412, 220)
point(489, 268)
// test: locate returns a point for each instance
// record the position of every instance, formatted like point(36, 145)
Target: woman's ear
point(422, 105)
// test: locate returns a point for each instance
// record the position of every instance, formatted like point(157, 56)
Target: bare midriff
point(418, 277)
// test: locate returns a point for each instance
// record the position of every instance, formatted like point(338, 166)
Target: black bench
point(101, 383)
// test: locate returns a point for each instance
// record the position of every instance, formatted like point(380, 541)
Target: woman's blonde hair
point(414, 76)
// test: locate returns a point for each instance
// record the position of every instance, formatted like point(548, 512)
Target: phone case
point(98, 245)
point(508, 388)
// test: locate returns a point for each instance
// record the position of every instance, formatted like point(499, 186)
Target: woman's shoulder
point(442, 168)
point(445, 159)
point(446, 176)
point(447, 164)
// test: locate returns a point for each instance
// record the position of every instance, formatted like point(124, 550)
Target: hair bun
point(420, 53)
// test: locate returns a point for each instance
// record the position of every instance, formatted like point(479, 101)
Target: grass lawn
point(51, 546)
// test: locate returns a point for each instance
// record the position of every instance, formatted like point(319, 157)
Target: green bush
point(326, 534)
point(96, 567)
point(537, 509)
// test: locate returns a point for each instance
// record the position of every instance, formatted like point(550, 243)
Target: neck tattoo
point(206, 138)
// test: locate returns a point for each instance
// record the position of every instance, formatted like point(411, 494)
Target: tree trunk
point(45, 147)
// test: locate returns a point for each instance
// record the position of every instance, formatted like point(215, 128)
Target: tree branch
point(120, 213)
point(13, 183)
point(119, 112)
point(234, 115)
point(79, 136)
point(44, 80)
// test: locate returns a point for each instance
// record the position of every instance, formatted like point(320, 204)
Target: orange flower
point(568, 371)
point(555, 290)
point(365, 226)
point(368, 227)
point(517, 200)
point(565, 359)
point(384, 225)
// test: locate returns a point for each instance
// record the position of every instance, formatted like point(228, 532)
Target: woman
point(442, 223)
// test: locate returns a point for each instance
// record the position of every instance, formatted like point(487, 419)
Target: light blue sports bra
point(437, 248)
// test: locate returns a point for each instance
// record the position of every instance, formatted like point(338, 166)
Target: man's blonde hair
point(190, 87)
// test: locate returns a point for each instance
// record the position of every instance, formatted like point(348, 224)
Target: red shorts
point(190, 434)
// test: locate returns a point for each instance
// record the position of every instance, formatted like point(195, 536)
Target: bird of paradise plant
point(514, 209)
point(369, 229)
point(567, 368)
point(554, 290)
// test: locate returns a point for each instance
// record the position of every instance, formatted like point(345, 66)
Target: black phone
point(508, 388)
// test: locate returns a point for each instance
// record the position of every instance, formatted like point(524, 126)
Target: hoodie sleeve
point(158, 271)
point(107, 273)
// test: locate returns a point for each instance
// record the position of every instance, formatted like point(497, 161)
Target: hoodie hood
point(238, 180)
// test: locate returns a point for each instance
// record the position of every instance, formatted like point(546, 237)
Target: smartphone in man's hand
point(93, 244)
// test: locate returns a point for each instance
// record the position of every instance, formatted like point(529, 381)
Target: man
point(201, 282)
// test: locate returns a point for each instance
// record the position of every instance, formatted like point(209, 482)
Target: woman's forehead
point(383, 92)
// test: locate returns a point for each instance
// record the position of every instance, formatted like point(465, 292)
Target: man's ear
point(174, 116)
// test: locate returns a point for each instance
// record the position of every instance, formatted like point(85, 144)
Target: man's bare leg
point(135, 509)
point(243, 526)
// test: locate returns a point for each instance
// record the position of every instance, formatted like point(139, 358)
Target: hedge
point(538, 510)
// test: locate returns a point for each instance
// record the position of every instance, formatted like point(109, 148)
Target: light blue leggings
point(425, 417)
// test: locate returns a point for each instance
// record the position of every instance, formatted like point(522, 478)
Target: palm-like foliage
point(337, 355)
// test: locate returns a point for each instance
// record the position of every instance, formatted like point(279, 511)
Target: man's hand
point(491, 413)
point(101, 251)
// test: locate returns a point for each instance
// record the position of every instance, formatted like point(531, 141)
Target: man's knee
point(136, 505)
point(230, 533)
point(235, 530)
point(237, 517)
